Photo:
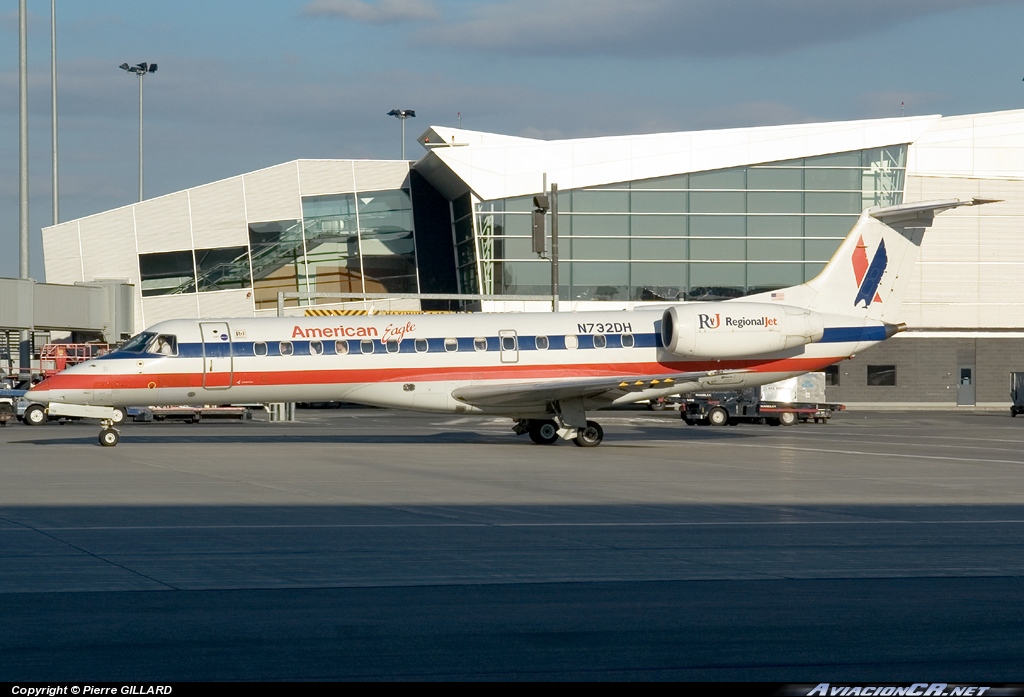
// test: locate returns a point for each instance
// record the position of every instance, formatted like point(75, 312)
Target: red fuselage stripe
point(91, 381)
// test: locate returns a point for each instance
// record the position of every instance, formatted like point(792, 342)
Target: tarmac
point(364, 544)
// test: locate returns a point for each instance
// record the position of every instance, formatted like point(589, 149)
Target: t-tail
point(868, 275)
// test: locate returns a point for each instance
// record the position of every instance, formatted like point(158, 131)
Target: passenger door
point(218, 362)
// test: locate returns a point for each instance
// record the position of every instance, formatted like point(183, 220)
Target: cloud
point(696, 28)
point(380, 12)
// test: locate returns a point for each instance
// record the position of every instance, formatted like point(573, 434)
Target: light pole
point(53, 106)
point(141, 69)
point(402, 115)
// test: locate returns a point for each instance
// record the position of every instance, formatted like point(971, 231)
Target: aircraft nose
point(59, 388)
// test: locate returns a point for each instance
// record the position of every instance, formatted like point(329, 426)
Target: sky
point(245, 85)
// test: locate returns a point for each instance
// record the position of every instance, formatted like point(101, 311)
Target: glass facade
point(704, 235)
point(353, 242)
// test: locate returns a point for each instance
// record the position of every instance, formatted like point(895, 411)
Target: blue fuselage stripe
point(838, 335)
point(437, 345)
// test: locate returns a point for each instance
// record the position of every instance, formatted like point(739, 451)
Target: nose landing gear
point(109, 437)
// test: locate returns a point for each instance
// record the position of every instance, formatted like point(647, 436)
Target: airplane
point(545, 371)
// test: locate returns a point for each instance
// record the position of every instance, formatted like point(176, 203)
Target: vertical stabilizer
point(869, 273)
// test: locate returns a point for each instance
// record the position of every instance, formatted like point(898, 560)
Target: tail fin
point(868, 274)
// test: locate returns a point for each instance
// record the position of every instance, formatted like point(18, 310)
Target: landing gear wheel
point(787, 418)
point(718, 417)
point(35, 415)
point(109, 437)
point(657, 404)
point(543, 432)
point(590, 436)
point(120, 414)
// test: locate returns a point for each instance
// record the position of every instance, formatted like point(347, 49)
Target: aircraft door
point(218, 363)
point(509, 346)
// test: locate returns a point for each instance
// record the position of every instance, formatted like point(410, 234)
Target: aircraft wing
point(519, 394)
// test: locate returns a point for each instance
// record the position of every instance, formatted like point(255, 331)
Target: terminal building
point(700, 215)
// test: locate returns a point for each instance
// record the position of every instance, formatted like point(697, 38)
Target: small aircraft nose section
point(62, 387)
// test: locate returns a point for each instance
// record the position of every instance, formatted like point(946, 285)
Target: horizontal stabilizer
point(906, 214)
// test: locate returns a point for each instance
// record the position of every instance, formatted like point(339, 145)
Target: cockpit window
point(165, 345)
point(138, 343)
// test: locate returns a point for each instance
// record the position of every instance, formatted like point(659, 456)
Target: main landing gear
point(548, 431)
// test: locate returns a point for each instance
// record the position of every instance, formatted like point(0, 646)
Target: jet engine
point(737, 329)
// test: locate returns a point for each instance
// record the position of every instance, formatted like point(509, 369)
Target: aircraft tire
point(590, 436)
point(109, 437)
point(543, 431)
point(718, 417)
point(35, 415)
point(787, 418)
point(120, 414)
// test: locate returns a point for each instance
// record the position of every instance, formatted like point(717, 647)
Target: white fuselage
point(417, 361)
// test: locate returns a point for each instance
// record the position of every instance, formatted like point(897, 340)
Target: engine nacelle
point(737, 329)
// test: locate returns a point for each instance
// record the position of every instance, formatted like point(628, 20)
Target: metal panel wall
point(376, 175)
point(164, 307)
point(226, 303)
point(162, 224)
point(218, 214)
point(273, 193)
point(62, 253)
point(319, 177)
point(972, 258)
point(108, 246)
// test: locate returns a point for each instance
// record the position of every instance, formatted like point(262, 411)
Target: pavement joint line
point(46, 533)
point(24, 528)
point(761, 446)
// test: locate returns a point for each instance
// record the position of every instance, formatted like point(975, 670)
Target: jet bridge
point(105, 308)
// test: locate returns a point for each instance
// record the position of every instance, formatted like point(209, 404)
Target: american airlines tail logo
point(868, 276)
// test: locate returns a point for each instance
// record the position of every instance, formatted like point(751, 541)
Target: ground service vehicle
point(1017, 393)
point(784, 402)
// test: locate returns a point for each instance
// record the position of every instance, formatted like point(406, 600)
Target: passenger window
point(316, 348)
point(508, 343)
point(366, 346)
point(571, 341)
point(392, 346)
point(260, 348)
point(480, 343)
point(286, 348)
point(600, 341)
point(451, 345)
point(341, 347)
point(421, 345)
point(627, 341)
point(542, 343)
